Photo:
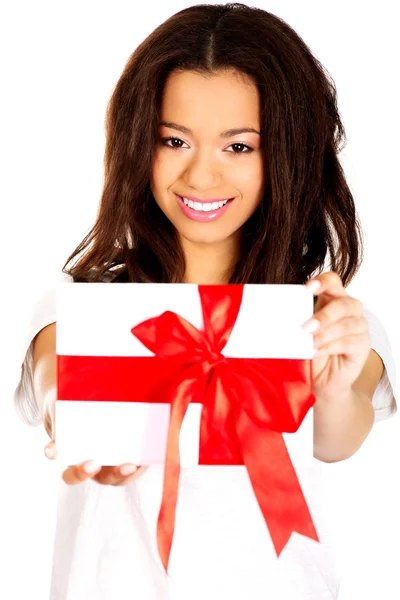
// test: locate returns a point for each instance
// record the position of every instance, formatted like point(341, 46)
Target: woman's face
point(199, 156)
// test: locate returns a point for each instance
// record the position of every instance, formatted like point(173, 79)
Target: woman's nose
point(202, 173)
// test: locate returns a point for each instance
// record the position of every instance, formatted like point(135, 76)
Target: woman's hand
point(119, 475)
point(341, 336)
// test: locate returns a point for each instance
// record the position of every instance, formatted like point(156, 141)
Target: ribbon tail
point(275, 483)
point(166, 517)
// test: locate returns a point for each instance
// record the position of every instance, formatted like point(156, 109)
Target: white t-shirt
point(105, 543)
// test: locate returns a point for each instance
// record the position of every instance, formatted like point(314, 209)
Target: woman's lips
point(201, 215)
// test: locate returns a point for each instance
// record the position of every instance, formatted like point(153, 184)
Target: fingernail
point(49, 452)
point(313, 285)
point(311, 325)
point(91, 466)
point(128, 469)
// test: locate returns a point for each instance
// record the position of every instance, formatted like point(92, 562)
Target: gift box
point(190, 375)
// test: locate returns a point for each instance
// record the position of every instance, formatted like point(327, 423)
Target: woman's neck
point(208, 264)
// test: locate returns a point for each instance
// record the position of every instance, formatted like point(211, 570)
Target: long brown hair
point(307, 214)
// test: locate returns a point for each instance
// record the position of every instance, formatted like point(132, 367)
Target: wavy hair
point(307, 215)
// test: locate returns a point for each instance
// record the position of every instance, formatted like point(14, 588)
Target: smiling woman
point(221, 166)
point(202, 76)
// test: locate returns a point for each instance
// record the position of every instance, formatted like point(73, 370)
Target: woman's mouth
point(203, 211)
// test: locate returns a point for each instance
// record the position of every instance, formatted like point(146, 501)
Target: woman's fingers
point(103, 475)
point(50, 450)
point(134, 476)
point(121, 475)
point(115, 475)
point(78, 473)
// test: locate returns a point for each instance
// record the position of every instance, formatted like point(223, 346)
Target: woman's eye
point(172, 139)
point(239, 148)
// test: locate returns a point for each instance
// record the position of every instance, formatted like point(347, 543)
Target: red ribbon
point(247, 404)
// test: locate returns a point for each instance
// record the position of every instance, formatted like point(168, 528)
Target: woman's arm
point(341, 427)
point(45, 375)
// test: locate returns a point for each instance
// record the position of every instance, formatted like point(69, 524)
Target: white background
point(60, 61)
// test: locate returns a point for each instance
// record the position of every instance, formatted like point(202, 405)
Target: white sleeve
point(43, 314)
point(384, 401)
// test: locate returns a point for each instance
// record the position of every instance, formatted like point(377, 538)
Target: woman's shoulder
point(384, 399)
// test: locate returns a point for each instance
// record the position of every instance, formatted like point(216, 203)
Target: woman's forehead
point(222, 101)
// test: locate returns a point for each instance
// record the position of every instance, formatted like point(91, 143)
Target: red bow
point(247, 404)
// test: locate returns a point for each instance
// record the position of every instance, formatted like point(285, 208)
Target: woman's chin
point(204, 237)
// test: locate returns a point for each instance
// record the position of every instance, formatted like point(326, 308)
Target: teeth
point(204, 206)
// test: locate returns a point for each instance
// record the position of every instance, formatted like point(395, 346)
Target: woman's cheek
point(165, 170)
point(250, 180)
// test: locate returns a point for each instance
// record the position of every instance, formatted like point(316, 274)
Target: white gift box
point(95, 319)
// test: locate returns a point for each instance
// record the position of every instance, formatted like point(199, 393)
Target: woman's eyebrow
point(223, 134)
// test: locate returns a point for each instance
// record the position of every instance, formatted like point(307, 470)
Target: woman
point(221, 166)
